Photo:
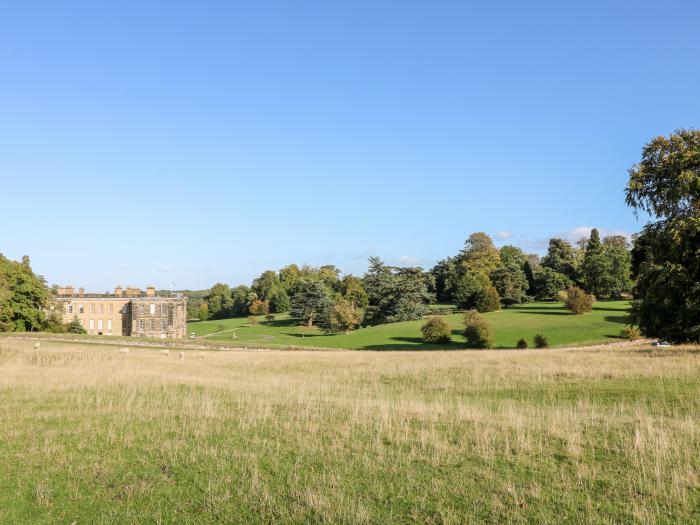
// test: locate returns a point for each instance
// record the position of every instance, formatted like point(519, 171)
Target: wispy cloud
point(584, 232)
point(503, 235)
point(539, 244)
point(409, 260)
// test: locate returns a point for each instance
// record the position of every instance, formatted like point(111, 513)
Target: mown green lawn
point(522, 321)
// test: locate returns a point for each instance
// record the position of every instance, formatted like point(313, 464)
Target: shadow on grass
point(540, 311)
point(281, 322)
point(622, 319)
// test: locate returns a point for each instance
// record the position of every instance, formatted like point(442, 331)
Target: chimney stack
point(151, 291)
point(118, 291)
point(81, 292)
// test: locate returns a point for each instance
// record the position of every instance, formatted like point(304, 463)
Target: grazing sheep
point(124, 351)
point(181, 355)
point(37, 346)
point(164, 352)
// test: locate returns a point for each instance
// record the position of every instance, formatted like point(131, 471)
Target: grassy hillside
point(551, 319)
point(89, 435)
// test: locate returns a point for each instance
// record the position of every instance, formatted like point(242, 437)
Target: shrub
point(487, 300)
point(75, 327)
point(562, 296)
point(541, 341)
point(477, 331)
point(578, 301)
point(252, 320)
point(630, 332)
point(436, 330)
point(521, 344)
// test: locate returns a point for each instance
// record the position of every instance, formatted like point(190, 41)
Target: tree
point(341, 316)
point(665, 261)
point(309, 302)
point(219, 302)
point(510, 282)
point(289, 277)
point(53, 321)
point(445, 276)
point(512, 255)
point(353, 290)
point(477, 331)
point(561, 258)
point(548, 283)
point(204, 312)
point(616, 250)
point(479, 255)
point(436, 330)
point(75, 326)
point(240, 301)
point(264, 285)
point(279, 300)
point(487, 299)
point(23, 296)
point(259, 307)
point(578, 301)
point(395, 294)
point(467, 289)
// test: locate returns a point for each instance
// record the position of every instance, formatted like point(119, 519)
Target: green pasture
point(552, 320)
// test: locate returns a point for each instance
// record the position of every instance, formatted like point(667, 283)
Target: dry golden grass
point(607, 434)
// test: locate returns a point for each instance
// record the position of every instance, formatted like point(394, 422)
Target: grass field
point(551, 319)
point(593, 435)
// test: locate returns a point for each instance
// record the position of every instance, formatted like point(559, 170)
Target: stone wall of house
point(162, 317)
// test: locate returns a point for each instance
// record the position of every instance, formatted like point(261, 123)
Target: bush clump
point(487, 300)
point(541, 341)
point(436, 330)
point(477, 331)
point(75, 327)
point(521, 344)
point(578, 301)
point(630, 332)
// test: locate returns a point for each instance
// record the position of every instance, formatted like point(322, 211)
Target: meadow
point(560, 327)
point(570, 435)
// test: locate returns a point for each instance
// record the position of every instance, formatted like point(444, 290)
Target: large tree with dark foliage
point(561, 258)
point(23, 296)
point(666, 255)
point(395, 294)
point(311, 301)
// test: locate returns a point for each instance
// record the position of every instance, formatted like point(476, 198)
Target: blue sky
point(144, 142)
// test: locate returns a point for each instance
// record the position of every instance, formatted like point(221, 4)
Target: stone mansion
point(128, 312)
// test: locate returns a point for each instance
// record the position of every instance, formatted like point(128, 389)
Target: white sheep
point(164, 352)
point(124, 351)
point(181, 355)
point(37, 346)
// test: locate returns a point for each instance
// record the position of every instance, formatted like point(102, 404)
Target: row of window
point(101, 308)
point(152, 325)
point(91, 324)
point(152, 309)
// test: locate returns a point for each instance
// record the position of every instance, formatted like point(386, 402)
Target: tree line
point(480, 277)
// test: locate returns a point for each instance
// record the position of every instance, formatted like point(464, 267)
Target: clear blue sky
point(144, 142)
